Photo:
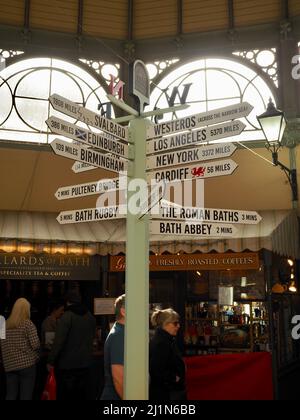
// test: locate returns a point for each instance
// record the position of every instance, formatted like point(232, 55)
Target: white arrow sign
point(195, 171)
point(79, 167)
point(92, 157)
point(161, 227)
point(89, 138)
point(196, 137)
point(196, 154)
point(173, 211)
point(203, 119)
point(90, 188)
point(87, 116)
point(92, 215)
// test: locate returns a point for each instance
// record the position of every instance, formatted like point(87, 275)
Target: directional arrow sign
point(92, 157)
point(191, 122)
point(172, 211)
point(194, 138)
point(87, 116)
point(162, 227)
point(92, 215)
point(79, 167)
point(95, 140)
point(196, 154)
point(90, 188)
point(195, 171)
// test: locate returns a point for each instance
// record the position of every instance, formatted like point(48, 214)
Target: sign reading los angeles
point(89, 156)
point(87, 116)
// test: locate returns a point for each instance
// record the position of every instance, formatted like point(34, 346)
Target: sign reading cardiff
point(87, 116)
point(91, 215)
point(202, 170)
point(139, 83)
point(159, 227)
point(196, 154)
point(92, 157)
point(194, 138)
point(96, 140)
point(191, 122)
point(172, 211)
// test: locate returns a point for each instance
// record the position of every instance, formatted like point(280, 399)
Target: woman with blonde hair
point(20, 352)
point(166, 366)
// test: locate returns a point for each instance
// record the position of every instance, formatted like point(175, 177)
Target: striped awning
point(23, 231)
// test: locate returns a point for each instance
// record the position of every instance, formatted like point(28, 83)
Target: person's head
point(166, 319)
point(72, 297)
point(57, 309)
point(120, 308)
point(20, 312)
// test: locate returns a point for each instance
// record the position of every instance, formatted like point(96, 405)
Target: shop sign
point(194, 171)
point(196, 154)
point(104, 306)
point(19, 266)
point(78, 112)
point(203, 119)
point(196, 137)
point(100, 141)
point(91, 157)
point(193, 262)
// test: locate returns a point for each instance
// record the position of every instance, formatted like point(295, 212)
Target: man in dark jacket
point(72, 349)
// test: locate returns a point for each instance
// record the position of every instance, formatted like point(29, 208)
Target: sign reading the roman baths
point(192, 262)
point(49, 267)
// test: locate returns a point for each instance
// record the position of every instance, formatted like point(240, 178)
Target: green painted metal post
point(137, 279)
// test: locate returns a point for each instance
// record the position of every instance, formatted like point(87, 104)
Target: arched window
point(24, 91)
point(215, 83)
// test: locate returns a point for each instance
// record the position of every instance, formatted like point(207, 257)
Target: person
point(72, 350)
point(114, 355)
point(20, 352)
point(166, 367)
point(49, 325)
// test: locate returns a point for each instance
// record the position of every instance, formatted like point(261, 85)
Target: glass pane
point(221, 85)
point(64, 85)
point(35, 84)
point(6, 101)
point(33, 112)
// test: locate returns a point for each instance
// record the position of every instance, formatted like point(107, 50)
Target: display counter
point(242, 376)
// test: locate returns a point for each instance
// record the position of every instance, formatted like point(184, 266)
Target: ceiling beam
point(230, 14)
point(27, 14)
point(130, 20)
point(179, 17)
point(80, 18)
point(285, 9)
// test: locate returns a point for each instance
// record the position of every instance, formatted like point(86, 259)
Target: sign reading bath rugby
point(139, 83)
point(92, 214)
point(91, 157)
point(87, 116)
point(159, 227)
point(196, 137)
point(101, 141)
point(196, 154)
point(90, 188)
point(49, 267)
point(203, 119)
point(200, 171)
point(171, 211)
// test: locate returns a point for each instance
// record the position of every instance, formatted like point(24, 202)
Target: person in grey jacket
point(72, 349)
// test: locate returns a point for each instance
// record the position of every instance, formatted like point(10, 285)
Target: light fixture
point(199, 274)
point(292, 287)
point(290, 262)
point(273, 123)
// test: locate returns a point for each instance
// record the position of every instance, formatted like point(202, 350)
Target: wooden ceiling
point(142, 19)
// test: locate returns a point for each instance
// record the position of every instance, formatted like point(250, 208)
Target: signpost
point(172, 211)
point(195, 229)
point(89, 156)
point(91, 214)
point(196, 154)
point(100, 141)
point(79, 167)
point(196, 137)
point(89, 188)
point(87, 116)
point(192, 122)
point(200, 170)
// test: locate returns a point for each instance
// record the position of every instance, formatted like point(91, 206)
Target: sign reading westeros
point(49, 267)
point(192, 262)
